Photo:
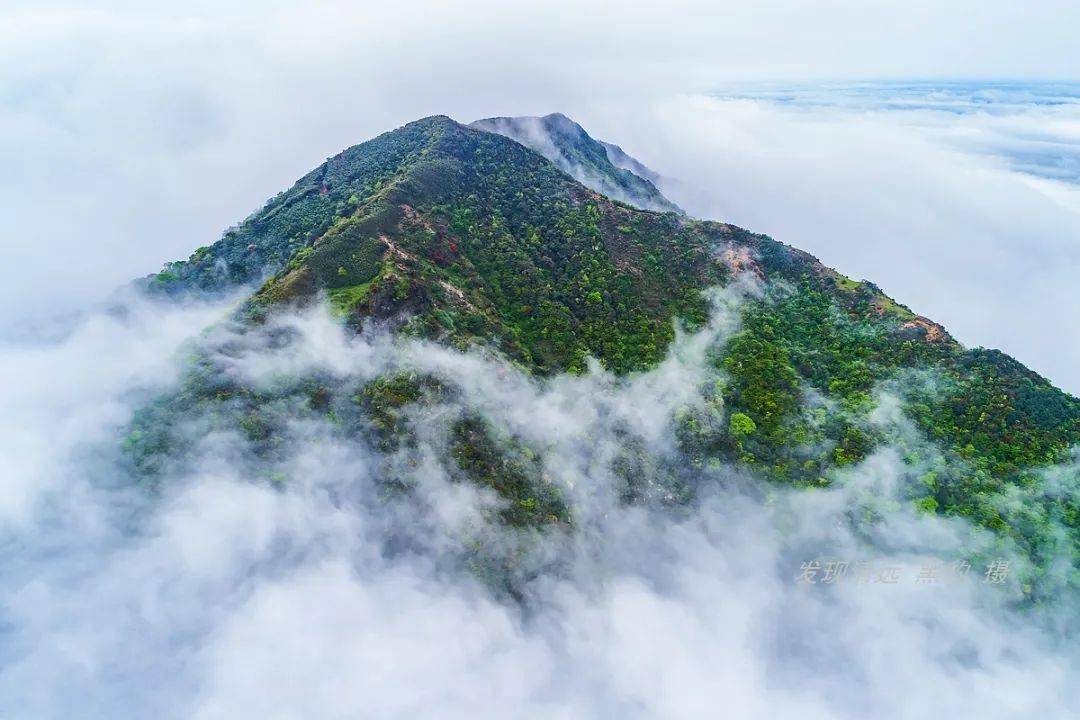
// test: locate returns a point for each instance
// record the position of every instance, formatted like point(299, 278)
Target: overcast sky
point(133, 132)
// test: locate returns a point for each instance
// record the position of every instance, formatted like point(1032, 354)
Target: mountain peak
point(601, 166)
point(561, 123)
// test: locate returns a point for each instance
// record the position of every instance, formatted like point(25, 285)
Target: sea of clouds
point(221, 594)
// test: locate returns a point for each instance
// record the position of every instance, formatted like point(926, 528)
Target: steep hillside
point(449, 233)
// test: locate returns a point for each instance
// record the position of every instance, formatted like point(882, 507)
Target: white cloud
point(77, 392)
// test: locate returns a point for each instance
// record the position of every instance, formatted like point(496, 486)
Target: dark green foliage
point(764, 384)
point(387, 398)
point(510, 469)
point(998, 411)
point(559, 293)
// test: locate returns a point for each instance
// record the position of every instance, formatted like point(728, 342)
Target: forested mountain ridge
point(447, 232)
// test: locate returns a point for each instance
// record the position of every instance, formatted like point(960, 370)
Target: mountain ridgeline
point(528, 238)
point(599, 165)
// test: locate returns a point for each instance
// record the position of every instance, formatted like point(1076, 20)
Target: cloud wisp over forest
point(279, 579)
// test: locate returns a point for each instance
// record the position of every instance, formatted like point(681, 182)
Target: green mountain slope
point(468, 238)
